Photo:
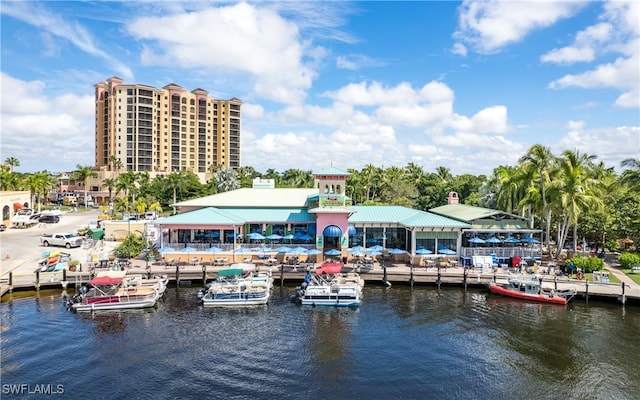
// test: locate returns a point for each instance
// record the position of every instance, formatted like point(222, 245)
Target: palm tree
point(116, 164)
point(227, 180)
point(38, 184)
point(297, 178)
point(573, 193)
point(110, 184)
point(175, 182)
point(540, 160)
point(83, 173)
point(631, 176)
point(12, 162)
point(127, 183)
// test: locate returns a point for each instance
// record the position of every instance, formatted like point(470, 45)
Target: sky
point(468, 85)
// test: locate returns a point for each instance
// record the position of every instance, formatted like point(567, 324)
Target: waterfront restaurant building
point(322, 218)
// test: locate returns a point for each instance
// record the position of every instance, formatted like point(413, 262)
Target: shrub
point(587, 264)
point(628, 260)
point(130, 247)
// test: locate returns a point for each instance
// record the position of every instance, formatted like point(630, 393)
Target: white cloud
point(355, 62)
point(459, 49)
point(490, 25)
point(584, 47)
point(610, 144)
point(30, 119)
point(575, 125)
point(619, 32)
point(620, 74)
point(241, 38)
point(55, 24)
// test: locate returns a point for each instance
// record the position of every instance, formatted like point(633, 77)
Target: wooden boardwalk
point(392, 275)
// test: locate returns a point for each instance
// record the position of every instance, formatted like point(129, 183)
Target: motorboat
point(337, 289)
point(25, 217)
point(158, 281)
point(110, 290)
point(531, 289)
point(236, 288)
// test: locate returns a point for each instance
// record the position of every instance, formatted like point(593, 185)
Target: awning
point(332, 231)
point(106, 280)
point(352, 230)
point(17, 206)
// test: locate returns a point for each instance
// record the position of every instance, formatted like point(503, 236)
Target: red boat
point(532, 290)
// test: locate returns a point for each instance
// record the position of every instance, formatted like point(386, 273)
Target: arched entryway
point(332, 235)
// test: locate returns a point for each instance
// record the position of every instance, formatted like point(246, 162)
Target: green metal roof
point(208, 215)
point(402, 215)
point(469, 214)
point(253, 197)
point(332, 171)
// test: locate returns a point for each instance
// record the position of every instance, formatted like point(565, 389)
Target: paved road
point(20, 249)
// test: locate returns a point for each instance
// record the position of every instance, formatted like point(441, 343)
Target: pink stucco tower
point(332, 209)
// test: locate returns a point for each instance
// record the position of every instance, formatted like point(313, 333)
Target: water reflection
point(401, 342)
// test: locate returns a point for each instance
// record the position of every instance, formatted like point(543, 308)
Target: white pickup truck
point(67, 240)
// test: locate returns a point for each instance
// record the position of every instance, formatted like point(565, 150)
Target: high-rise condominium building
point(164, 130)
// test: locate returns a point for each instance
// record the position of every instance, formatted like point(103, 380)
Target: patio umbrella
point(265, 249)
point(288, 237)
point(357, 248)
point(166, 250)
point(376, 248)
point(306, 238)
point(313, 252)
point(298, 250)
point(256, 236)
point(529, 240)
point(446, 251)
point(213, 250)
point(373, 253)
point(333, 252)
point(242, 250)
point(511, 240)
point(188, 249)
point(476, 240)
point(424, 251)
point(283, 249)
point(274, 236)
point(493, 240)
point(397, 251)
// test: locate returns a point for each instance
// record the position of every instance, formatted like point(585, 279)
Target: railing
point(501, 252)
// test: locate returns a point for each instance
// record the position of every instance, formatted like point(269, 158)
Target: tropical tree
point(540, 163)
point(38, 184)
point(126, 183)
point(175, 182)
point(12, 162)
point(116, 164)
point(227, 180)
point(110, 184)
point(83, 173)
point(297, 178)
point(631, 176)
point(573, 193)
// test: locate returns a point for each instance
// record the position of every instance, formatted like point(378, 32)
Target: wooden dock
point(390, 276)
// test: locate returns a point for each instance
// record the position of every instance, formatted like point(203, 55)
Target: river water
point(401, 343)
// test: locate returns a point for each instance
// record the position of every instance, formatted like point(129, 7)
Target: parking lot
point(20, 248)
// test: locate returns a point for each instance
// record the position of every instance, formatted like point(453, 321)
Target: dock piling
point(11, 282)
point(37, 280)
point(624, 299)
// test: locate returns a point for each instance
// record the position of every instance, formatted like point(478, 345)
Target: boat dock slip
point(393, 274)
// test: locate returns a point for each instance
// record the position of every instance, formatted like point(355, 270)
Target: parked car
point(49, 219)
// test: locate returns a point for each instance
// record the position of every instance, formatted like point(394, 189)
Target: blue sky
point(464, 85)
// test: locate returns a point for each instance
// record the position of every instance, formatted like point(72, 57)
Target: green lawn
point(634, 276)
